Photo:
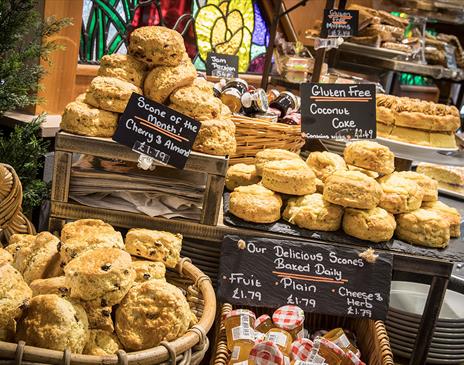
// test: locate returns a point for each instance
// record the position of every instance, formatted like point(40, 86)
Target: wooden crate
point(66, 145)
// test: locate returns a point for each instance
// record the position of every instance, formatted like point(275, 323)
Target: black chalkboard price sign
point(222, 65)
point(338, 111)
point(316, 277)
point(339, 23)
point(155, 130)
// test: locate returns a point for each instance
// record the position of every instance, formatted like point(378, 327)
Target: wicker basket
point(186, 350)
point(371, 335)
point(12, 219)
point(254, 135)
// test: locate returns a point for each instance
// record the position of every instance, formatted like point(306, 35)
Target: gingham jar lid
point(301, 348)
point(266, 353)
point(355, 360)
point(240, 312)
point(288, 317)
point(261, 319)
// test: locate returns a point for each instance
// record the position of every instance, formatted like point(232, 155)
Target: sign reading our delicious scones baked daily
point(339, 23)
point(221, 65)
point(318, 278)
point(338, 111)
point(155, 130)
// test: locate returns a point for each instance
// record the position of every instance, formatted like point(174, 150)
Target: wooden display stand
point(66, 144)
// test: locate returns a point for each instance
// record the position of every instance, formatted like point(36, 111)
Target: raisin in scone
point(148, 270)
point(56, 285)
point(99, 314)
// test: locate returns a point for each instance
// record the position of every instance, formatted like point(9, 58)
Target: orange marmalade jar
point(281, 338)
point(290, 318)
point(239, 325)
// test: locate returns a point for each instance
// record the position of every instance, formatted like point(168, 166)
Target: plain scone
point(450, 214)
point(54, 323)
point(5, 257)
point(400, 195)
point(291, 177)
point(273, 154)
point(103, 273)
point(154, 245)
point(123, 67)
point(241, 174)
point(371, 156)
point(428, 185)
point(352, 189)
point(313, 212)
point(375, 225)
point(152, 312)
point(325, 163)
point(255, 203)
point(216, 137)
point(102, 343)
point(423, 227)
point(86, 120)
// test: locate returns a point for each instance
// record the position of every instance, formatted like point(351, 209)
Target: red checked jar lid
point(266, 353)
point(288, 317)
point(301, 348)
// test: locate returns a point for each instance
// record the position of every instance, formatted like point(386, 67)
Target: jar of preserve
point(286, 102)
point(239, 325)
point(281, 338)
point(263, 323)
point(338, 337)
point(291, 319)
point(266, 353)
point(232, 93)
point(254, 101)
point(241, 352)
point(301, 348)
point(332, 354)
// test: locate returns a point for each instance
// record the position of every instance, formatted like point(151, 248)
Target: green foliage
point(24, 39)
point(24, 150)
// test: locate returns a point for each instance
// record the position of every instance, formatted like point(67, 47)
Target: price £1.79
point(246, 294)
point(302, 302)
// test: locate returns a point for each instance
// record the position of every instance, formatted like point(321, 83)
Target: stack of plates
point(407, 301)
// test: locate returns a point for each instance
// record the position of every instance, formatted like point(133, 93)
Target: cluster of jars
point(255, 102)
point(282, 340)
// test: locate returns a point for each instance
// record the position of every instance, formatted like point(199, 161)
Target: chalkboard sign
point(157, 131)
point(339, 23)
point(338, 111)
point(222, 65)
point(316, 277)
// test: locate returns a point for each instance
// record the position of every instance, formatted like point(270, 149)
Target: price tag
point(338, 111)
point(157, 131)
point(316, 277)
point(222, 65)
point(339, 23)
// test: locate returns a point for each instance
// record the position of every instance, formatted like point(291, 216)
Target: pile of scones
point(158, 67)
point(90, 291)
point(359, 192)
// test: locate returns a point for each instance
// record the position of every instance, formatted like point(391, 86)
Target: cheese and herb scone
point(375, 225)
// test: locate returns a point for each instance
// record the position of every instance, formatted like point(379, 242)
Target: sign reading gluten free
point(339, 23)
point(316, 277)
point(338, 111)
point(155, 130)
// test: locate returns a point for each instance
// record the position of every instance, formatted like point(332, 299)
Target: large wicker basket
point(372, 337)
point(254, 135)
point(186, 350)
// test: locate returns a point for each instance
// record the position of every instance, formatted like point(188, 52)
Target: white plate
point(409, 298)
point(450, 193)
point(418, 146)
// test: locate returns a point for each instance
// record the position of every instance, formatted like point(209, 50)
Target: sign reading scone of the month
point(222, 65)
point(316, 277)
point(339, 23)
point(155, 130)
point(338, 111)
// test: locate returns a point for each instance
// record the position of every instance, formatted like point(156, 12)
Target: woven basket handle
point(171, 351)
point(122, 357)
point(20, 352)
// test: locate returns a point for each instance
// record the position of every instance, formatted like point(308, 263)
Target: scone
point(371, 156)
point(87, 234)
point(5, 257)
point(150, 313)
point(255, 203)
point(148, 270)
point(204, 85)
point(369, 173)
point(448, 213)
point(352, 189)
point(14, 297)
point(400, 195)
point(17, 241)
point(54, 323)
point(157, 46)
point(154, 245)
point(85, 120)
point(99, 315)
point(195, 103)
point(100, 274)
point(241, 174)
point(375, 225)
point(273, 154)
point(428, 185)
point(216, 137)
point(110, 93)
point(123, 67)
point(37, 259)
point(56, 285)
point(101, 343)
point(325, 163)
point(292, 177)
point(423, 227)
point(319, 186)
point(313, 212)
point(163, 80)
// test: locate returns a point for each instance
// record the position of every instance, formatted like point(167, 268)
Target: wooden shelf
point(49, 128)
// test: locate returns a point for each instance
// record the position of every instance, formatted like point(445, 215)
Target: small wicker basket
point(254, 135)
point(371, 335)
point(186, 350)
